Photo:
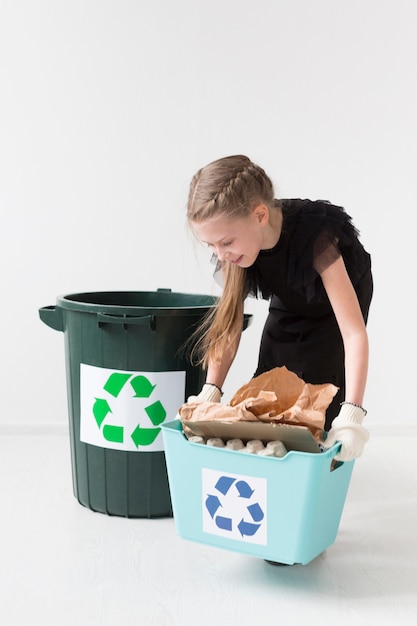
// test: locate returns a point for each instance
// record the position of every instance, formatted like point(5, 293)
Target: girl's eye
point(226, 243)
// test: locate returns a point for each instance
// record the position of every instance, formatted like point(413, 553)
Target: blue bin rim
point(176, 426)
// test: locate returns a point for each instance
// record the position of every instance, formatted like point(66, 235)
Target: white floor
point(61, 564)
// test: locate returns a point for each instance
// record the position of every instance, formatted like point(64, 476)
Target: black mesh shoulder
point(314, 235)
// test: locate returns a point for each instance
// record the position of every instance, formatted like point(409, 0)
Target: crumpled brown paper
point(277, 396)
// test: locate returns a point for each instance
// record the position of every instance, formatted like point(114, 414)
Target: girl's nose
point(221, 254)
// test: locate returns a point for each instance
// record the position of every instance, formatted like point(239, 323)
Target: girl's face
point(236, 241)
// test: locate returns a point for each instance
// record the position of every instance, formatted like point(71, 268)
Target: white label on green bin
point(124, 410)
point(234, 506)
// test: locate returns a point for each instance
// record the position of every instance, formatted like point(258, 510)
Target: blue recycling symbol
point(226, 487)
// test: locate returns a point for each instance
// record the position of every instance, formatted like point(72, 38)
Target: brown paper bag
point(295, 402)
point(275, 397)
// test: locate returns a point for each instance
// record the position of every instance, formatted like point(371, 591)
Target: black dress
point(301, 331)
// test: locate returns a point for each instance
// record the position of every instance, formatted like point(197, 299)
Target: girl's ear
point(261, 213)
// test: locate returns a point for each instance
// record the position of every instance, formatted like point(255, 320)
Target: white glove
point(346, 428)
point(209, 393)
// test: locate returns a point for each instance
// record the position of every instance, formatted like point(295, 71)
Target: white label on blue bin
point(234, 506)
point(124, 410)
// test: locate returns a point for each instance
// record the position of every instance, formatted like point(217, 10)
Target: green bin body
point(129, 335)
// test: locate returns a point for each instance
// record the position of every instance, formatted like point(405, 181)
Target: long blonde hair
point(229, 187)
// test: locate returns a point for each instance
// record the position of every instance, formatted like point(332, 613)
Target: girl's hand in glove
point(346, 428)
point(209, 393)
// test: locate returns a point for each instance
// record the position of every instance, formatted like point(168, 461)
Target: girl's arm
point(217, 371)
point(216, 375)
point(346, 427)
point(348, 314)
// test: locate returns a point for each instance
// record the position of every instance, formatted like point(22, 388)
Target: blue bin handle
point(335, 464)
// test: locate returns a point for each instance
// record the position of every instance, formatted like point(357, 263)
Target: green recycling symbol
point(141, 388)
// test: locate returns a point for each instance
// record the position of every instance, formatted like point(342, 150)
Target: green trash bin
point(126, 375)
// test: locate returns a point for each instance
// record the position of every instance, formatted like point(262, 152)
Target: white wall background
point(108, 107)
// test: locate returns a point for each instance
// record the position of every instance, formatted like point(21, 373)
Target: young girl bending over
point(306, 259)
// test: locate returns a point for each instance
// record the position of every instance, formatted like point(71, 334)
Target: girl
point(306, 258)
